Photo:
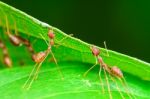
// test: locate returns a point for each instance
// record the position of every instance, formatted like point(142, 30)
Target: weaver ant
point(112, 71)
point(42, 55)
point(16, 40)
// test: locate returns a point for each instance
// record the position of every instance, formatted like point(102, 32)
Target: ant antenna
point(106, 48)
point(30, 76)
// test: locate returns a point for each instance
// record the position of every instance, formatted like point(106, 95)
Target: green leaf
point(74, 57)
point(49, 84)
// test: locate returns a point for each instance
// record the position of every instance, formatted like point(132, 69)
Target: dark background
point(123, 24)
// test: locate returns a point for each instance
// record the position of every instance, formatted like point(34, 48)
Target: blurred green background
point(123, 24)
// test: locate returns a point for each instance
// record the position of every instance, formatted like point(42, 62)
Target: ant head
point(116, 71)
point(51, 34)
point(95, 51)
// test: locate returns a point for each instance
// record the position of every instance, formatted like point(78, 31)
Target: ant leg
point(16, 32)
point(49, 48)
point(44, 39)
point(110, 95)
point(57, 64)
point(101, 79)
point(29, 76)
point(90, 68)
point(7, 26)
point(117, 86)
point(36, 72)
point(125, 84)
point(110, 75)
point(13, 38)
point(128, 86)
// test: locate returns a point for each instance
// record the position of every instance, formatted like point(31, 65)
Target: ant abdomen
point(116, 71)
point(7, 61)
point(39, 57)
point(18, 40)
point(14, 40)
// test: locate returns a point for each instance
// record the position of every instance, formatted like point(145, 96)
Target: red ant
point(7, 59)
point(41, 56)
point(18, 40)
point(115, 71)
point(15, 40)
point(96, 52)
